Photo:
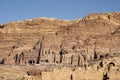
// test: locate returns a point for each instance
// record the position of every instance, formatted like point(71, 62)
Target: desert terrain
point(53, 49)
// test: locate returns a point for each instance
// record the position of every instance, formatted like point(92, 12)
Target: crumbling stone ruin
point(52, 49)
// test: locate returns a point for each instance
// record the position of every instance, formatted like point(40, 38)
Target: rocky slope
point(91, 41)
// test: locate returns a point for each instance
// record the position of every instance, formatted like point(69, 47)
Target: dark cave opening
point(105, 77)
point(31, 62)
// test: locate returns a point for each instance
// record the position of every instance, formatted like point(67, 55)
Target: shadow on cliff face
point(1, 26)
point(2, 78)
point(105, 77)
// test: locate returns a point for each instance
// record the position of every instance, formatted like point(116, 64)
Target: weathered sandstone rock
point(91, 44)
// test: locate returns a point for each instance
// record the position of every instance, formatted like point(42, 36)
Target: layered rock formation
point(91, 44)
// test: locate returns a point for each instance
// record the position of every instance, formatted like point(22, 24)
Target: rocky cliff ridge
point(93, 40)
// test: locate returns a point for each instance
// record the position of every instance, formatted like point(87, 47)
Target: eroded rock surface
point(91, 44)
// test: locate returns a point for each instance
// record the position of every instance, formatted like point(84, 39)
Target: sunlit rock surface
point(52, 49)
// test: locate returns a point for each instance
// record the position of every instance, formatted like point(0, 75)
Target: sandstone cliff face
point(79, 43)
